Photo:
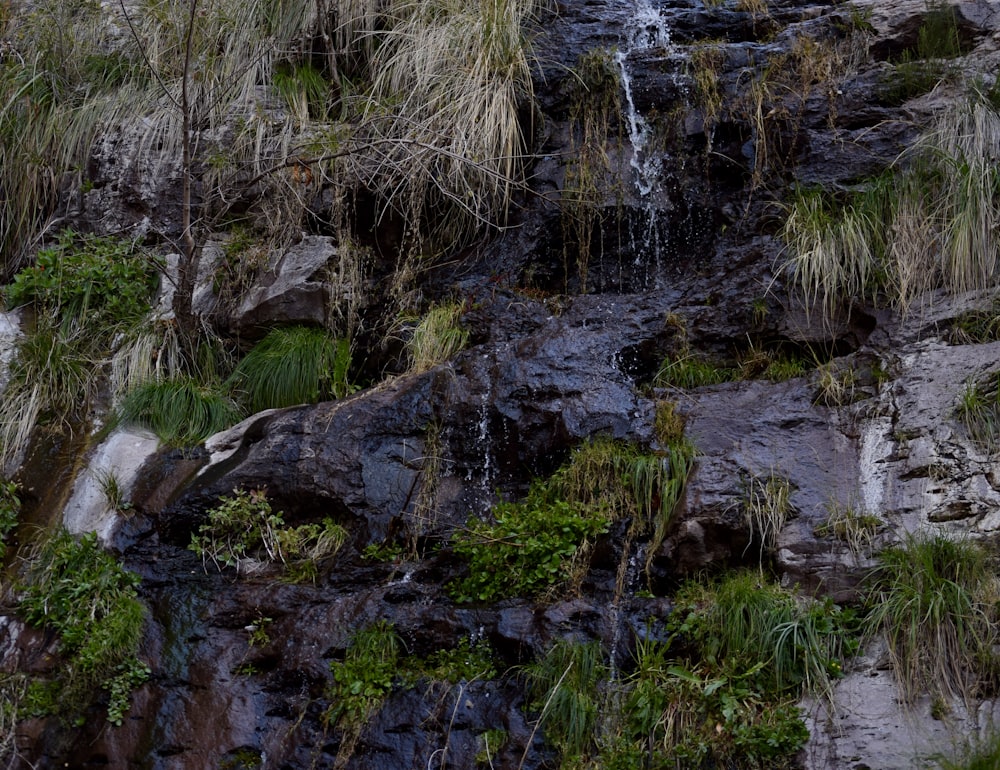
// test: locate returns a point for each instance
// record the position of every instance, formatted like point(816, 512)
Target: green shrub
point(293, 365)
point(102, 281)
point(180, 410)
point(529, 547)
point(243, 532)
point(933, 600)
point(82, 593)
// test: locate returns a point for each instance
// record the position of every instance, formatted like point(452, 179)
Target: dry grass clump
point(931, 222)
point(448, 81)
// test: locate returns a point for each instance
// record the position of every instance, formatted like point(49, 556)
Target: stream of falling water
point(647, 31)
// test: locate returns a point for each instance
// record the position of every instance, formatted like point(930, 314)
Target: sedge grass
point(930, 222)
point(437, 338)
point(933, 600)
point(292, 365)
point(180, 410)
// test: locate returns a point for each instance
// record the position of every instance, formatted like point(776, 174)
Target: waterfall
point(646, 31)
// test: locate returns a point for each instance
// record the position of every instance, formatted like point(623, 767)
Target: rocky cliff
point(666, 147)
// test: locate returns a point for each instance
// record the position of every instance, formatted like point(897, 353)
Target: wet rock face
point(692, 265)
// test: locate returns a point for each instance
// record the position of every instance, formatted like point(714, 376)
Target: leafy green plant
point(528, 548)
point(293, 365)
point(362, 681)
point(79, 591)
point(244, 533)
point(10, 512)
point(543, 541)
point(465, 662)
point(437, 338)
point(87, 278)
point(933, 600)
point(179, 410)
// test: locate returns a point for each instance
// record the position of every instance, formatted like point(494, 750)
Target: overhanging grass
point(293, 365)
point(930, 222)
point(180, 411)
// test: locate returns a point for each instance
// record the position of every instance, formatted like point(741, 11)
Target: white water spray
point(646, 31)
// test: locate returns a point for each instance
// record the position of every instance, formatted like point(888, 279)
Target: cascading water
point(646, 31)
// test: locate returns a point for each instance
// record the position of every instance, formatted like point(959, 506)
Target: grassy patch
point(934, 602)
point(856, 528)
point(293, 365)
point(180, 410)
point(544, 540)
point(930, 222)
point(690, 371)
point(437, 338)
point(979, 411)
point(720, 692)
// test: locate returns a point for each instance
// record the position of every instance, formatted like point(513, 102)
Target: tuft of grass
point(179, 410)
point(979, 410)
point(982, 754)
point(856, 528)
point(448, 83)
point(244, 533)
point(292, 365)
point(931, 222)
point(437, 338)
point(690, 371)
point(766, 508)
point(934, 601)
point(668, 425)
point(562, 687)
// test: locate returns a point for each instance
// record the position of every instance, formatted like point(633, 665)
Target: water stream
point(646, 32)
